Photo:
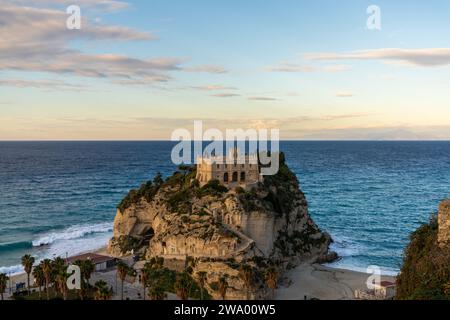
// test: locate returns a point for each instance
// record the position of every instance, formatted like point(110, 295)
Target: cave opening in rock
point(148, 235)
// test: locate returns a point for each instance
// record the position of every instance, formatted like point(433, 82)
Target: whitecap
point(73, 232)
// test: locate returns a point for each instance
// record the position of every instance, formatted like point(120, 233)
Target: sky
point(138, 70)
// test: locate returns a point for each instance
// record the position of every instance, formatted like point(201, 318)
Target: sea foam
point(72, 233)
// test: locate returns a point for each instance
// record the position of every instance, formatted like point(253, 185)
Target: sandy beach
point(324, 283)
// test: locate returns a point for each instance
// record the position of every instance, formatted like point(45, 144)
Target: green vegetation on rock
point(425, 273)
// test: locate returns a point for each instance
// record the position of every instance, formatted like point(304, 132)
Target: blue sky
point(141, 69)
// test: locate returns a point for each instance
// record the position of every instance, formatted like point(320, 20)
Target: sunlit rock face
point(221, 228)
point(444, 222)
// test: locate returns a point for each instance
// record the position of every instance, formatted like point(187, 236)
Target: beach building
point(101, 262)
point(381, 291)
point(234, 169)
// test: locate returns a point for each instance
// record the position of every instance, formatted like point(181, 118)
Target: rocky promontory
point(215, 230)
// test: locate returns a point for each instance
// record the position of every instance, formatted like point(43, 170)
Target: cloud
point(291, 67)
point(225, 95)
point(336, 68)
point(428, 57)
point(35, 39)
point(344, 94)
point(44, 84)
point(213, 87)
point(206, 69)
point(300, 68)
point(104, 5)
point(261, 98)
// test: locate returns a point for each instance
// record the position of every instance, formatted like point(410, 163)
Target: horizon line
point(281, 140)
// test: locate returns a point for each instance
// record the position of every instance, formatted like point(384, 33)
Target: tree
point(61, 281)
point(223, 287)
point(182, 285)
point(145, 276)
point(3, 283)
point(59, 274)
point(157, 293)
point(271, 277)
point(246, 275)
point(59, 263)
point(88, 267)
point(102, 292)
point(158, 180)
point(47, 269)
point(39, 278)
point(201, 277)
point(155, 281)
point(84, 286)
point(27, 263)
point(122, 272)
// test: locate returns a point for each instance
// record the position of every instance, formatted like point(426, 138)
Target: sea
point(60, 198)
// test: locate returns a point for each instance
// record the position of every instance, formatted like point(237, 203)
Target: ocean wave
point(12, 270)
point(72, 233)
point(11, 246)
point(345, 247)
point(343, 264)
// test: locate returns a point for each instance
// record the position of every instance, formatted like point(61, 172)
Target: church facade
point(235, 169)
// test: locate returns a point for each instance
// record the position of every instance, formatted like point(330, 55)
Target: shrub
point(213, 188)
point(239, 190)
point(425, 272)
point(180, 201)
point(147, 190)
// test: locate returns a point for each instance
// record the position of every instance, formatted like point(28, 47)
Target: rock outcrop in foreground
point(218, 230)
point(425, 273)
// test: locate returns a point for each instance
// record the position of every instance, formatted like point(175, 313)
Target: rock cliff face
point(221, 229)
point(444, 222)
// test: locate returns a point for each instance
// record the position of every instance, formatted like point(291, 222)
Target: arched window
point(225, 177)
point(242, 176)
point(235, 177)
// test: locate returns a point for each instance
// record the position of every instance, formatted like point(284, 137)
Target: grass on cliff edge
point(425, 274)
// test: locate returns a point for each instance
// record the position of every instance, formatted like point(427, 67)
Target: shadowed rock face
point(222, 229)
point(444, 222)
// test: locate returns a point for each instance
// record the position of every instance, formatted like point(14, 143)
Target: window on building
point(242, 176)
point(225, 177)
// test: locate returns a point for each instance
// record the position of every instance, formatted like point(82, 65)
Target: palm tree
point(223, 287)
point(47, 269)
point(88, 267)
point(59, 269)
point(271, 277)
point(58, 263)
point(182, 285)
point(145, 276)
point(27, 263)
point(39, 278)
point(82, 292)
point(201, 277)
point(3, 283)
point(102, 292)
point(61, 281)
point(122, 272)
point(157, 293)
point(246, 275)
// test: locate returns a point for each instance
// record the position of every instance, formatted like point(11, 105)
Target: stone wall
point(444, 222)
